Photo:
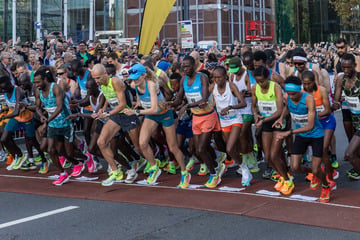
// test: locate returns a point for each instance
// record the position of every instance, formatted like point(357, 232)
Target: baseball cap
point(163, 65)
point(136, 71)
point(234, 64)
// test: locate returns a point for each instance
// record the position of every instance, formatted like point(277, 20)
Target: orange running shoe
point(325, 195)
point(287, 188)
point(10, 159)
point(315, 183)
point(279, 184)
point(309, 177)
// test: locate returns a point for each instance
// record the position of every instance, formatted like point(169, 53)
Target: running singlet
point(242, 86)
point(111, 96)
point(145, 98)
point(352, 96)
point(224, 100)
point(94, 106)
point(82, 84)
point(299, 114)
point(266, 102)
point(158, 73)
point(319, 103)
point(25, 115)
point(193, 94)
point(252, 78)
point(50, 106)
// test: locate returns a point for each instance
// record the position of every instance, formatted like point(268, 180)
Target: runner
point(59, 132)
point(228, 100)
point(267, 107)
point(155, 113)
point(195, 86)
point(115, 93)
point(308, 131)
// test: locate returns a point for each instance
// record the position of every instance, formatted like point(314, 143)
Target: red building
point(221, 20)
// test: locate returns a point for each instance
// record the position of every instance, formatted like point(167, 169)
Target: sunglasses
point(299, 63)
point(59, 73)
point(340, 47)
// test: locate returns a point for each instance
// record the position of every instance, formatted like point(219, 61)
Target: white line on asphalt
point(199, 189)
point(37, 216)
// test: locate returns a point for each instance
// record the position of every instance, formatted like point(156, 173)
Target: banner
point(186, 34)
point(154, 17)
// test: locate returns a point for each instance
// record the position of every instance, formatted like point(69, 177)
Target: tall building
point(108, 15)
point(219, 20)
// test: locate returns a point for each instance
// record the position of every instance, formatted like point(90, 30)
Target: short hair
point(5, 55)
point(113, 55)
point(248, 54)
point(348, 57)
point(341, 40)
point(190, 59)
point(261, 71)
point(260, 55)
point(293, 79)
point(289, 54)
point(311, 76)
point(299, 52)
point(221, 68)
point(176, 76)
point(110, 69)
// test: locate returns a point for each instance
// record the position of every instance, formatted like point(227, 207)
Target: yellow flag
point(154, 17)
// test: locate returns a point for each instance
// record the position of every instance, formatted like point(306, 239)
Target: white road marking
point(37, 216)
point(200, 189)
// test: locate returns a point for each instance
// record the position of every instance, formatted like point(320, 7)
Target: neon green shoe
point(114, 176)
point(163, 164)
point(171, 168)
point(255, 147)
point(191, 163)
point(185, 180)
point(203, 170)
point(213, 182)
point(147, 168)
point(155, 172)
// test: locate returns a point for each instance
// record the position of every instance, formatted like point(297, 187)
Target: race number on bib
point(353, 103)
point(300, 119)
point(320, 108)
point(267, 107)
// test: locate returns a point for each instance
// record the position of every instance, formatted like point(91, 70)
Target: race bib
point(267, 108)
point(320, 108)
point(300, 119)
point(83, 93)
point(353, 103)
point(193, 97)
point(145, 105)
point(113, 102)
point(231, 114)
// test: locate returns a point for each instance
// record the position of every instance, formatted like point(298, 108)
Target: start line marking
point(37, 216)
point(201, 189)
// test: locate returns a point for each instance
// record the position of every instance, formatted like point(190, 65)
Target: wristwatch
point(137, 111)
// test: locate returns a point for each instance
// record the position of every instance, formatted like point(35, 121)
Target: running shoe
point(246, 176)
point(131, 175)
point(335, 174)
point(315, 183)
point(221, 158)
point(267, 173)
point(63, 178)
point(142, 163)
point(147, 168)
point(28, 165)
point(90, 162)
point(278, 186)
point(275, 176)
point(325, 195)
point(19, 161)
point(2, 155)
point(185, 180)
point(255, 148)
point(113, 176)
point(203, 170)
point(221, 169)
point(64, 163)
point(171, 167)
point(334, 162)
point(239, 170)
point(10, 159)
point(309, 177)
point(155, 172)
point(252, 163)
point(332, 184)
point(164, 163)
point(44, 167)
point(230, 163)
point(287, 188)
point(78, 169)
point(352, 174)
point(191, 163)
point(213, 182)
point(38, 160)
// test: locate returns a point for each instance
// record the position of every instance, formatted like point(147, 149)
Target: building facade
point(219, 20)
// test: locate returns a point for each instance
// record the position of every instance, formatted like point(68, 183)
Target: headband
point(299, 58)
point(291, 87)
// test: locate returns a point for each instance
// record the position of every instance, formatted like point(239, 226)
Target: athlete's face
point(300, 65)
point(308, 85)
point(259, 63)
point(348, 68)
point(341, 49)
point(263, 82)
point(219, 77)
point(99, 77)
point(174, 84)
point(294, 96)
point(188, 68)
point(38, 82)
point(111, 61)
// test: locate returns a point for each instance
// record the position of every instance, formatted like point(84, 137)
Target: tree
point(344, 7)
